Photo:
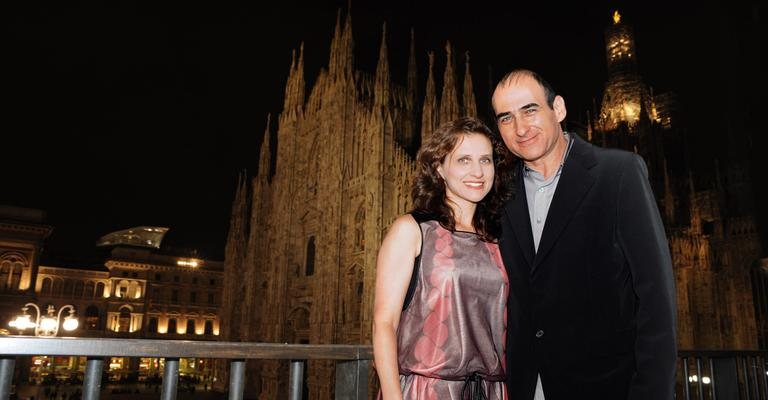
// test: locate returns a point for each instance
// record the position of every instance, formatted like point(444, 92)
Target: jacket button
point(539, 333)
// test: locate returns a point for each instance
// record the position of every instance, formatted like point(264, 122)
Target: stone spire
point(289, 84)
point(411, 102)
point(429, 110)
point(299, 79)
point(470, 106)
point(340, 63)
point(265, 159)
point(381, 88)
point(449, 103)
point(413, 81)
point(347, 46)
point(234, 255)
point(294, 86)
point(333, 61)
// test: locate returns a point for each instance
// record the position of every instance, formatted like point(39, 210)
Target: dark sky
point(133, 113)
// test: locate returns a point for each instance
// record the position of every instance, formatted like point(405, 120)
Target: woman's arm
point(394, 267)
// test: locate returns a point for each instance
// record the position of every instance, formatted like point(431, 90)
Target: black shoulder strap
point(419, 217)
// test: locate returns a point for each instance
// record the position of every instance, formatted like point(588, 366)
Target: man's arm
point(644, 243)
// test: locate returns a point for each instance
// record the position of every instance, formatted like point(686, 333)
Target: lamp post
point(45, 325)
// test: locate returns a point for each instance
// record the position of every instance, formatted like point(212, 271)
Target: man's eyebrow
point(502, 114)
point(528, 106)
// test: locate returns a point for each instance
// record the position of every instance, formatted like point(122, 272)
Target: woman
point(441, 289)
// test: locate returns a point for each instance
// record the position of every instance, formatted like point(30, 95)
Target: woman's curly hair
point(428, 190)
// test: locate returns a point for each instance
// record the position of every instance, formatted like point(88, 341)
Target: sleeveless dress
point(451, 337)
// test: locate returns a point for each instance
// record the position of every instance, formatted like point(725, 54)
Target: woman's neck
point(463, 216)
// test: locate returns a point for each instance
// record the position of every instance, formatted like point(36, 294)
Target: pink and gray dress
point(451, 337)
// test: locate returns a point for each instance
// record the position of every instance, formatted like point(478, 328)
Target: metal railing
point(351, 368)
point(702, 375)
point(722, 375)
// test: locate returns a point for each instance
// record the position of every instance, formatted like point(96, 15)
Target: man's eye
point(505, 119)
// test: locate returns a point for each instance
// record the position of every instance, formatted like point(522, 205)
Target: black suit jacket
point(593, 311)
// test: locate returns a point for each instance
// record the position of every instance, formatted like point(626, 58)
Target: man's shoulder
point(610, 156)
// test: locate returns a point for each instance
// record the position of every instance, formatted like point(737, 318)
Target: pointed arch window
point(360, 228)
point(309, 264)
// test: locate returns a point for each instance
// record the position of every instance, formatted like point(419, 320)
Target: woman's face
point(468, 169)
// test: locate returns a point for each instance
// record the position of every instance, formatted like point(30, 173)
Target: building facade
point(136, 293)
point(301, 252)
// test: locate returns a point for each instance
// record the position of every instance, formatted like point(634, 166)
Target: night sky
point(131, 113)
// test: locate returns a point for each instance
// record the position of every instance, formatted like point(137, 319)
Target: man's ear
point(559, 106)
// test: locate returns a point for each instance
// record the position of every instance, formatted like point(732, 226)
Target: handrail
point(106, 347)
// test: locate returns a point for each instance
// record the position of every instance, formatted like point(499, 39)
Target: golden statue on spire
point(616, 17)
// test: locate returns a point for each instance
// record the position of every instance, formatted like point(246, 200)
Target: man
point(591, 302)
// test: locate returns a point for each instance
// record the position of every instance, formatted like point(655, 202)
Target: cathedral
point(302, 246)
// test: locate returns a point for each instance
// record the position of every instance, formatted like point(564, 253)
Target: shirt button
point(541, 190)
point(539, 333)
point(538, 220)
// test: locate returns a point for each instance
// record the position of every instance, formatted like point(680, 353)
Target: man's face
point(529, 127)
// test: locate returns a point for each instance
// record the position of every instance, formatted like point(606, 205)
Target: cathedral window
point(309, 264)
point(208, 327)
point(190, 326)
point(360, 228)
point(152, 325)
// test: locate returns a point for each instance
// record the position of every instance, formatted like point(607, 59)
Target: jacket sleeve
point(642, 239)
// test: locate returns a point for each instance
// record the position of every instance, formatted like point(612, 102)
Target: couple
point(549, 278)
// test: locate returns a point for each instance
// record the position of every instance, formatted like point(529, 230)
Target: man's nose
point(520, 128)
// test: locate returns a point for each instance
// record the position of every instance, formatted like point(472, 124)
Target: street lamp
point(45, 325)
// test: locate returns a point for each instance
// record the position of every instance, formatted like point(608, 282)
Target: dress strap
point(416, 264)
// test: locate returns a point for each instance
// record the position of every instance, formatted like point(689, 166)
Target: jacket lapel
point(575, 181)
point(517, 212)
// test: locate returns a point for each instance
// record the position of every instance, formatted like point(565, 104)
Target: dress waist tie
point(473, 388)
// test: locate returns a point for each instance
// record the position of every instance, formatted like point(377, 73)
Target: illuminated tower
point(626, 97)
